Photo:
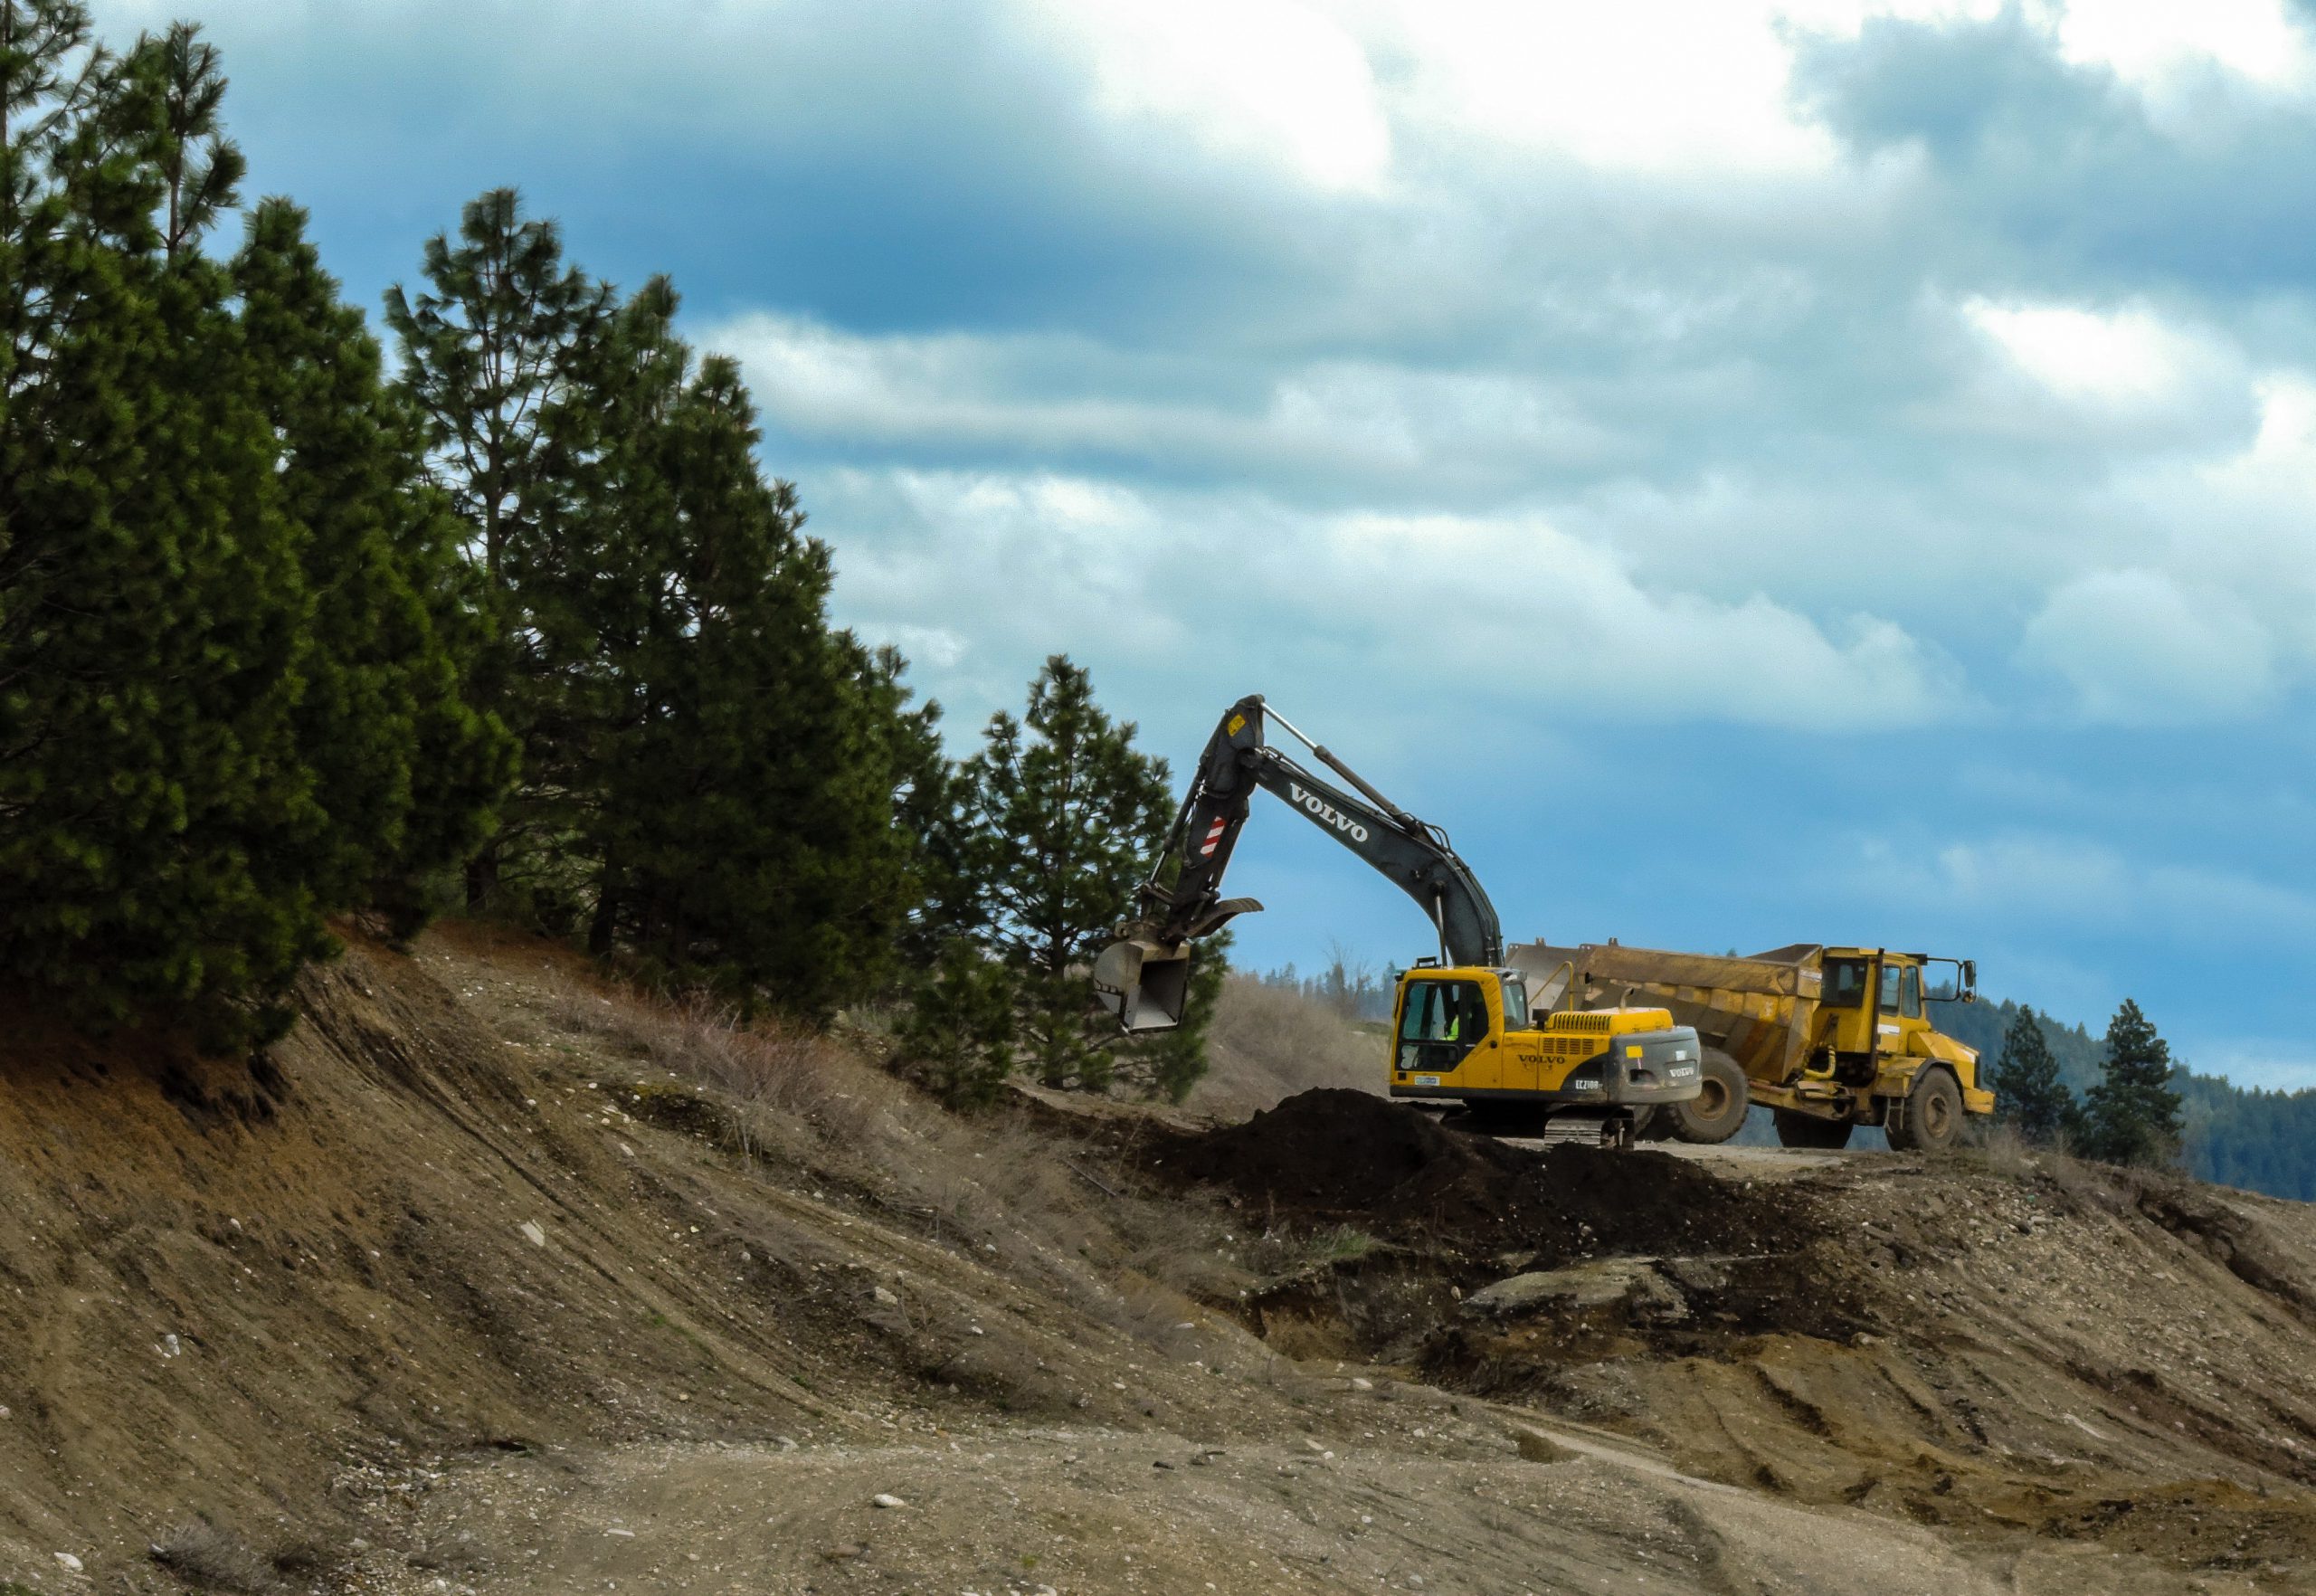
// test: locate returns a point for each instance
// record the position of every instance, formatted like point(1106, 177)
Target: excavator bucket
point(1144, 984)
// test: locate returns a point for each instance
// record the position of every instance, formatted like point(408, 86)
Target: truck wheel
point(1719, 1109)
point(1795, 1129)
point(1933, 1122)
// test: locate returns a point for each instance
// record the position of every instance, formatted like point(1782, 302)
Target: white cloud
point(1207, 596)
point(2140, 648)
point(2124, 357)
point(2148, 41)
point(1058, 397)
point(1266, 79)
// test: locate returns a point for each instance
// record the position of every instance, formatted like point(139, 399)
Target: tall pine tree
point(405, 766)
point(1069, 813)
point(170, 838)
point(490, 349)
point(710, 772)
point(743, 826)
point(2028, 1092)
point(2132, 1114)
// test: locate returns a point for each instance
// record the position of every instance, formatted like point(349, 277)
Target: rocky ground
point(493, 1280)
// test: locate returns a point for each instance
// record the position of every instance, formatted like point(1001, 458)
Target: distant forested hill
point(2264, 1141)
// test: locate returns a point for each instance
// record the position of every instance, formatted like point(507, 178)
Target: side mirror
point(1969, 981)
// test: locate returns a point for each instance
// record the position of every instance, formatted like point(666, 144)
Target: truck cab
point(1464, 1034)
point(1874, 1027)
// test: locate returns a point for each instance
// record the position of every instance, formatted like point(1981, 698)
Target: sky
point(1753, 472)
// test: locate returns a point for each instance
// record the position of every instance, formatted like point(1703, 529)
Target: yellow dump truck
point(1828, 1037)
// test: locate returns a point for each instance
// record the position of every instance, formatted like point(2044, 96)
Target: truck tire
point(1796, 1129)
point(1718, 1110)
point(1933, 1122)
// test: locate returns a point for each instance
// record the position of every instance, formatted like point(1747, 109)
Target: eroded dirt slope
point(491, 1280)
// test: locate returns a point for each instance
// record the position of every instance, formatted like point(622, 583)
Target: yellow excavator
point(1461, 1028)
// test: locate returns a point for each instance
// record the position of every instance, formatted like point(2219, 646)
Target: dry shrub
point(779, 1078)
point(578, 1008)
point(213, 1559)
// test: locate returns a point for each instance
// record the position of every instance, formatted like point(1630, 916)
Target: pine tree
point(175, 794)
point(1068, 814)
point(746, 827)
point(405, 767)
point(209, 662)
point(153, 608)
point(1176, 1059)
point(489, 355)
point(2132, 1114)
point(933, 813)
point(2028, 1091)
point(957, 1033)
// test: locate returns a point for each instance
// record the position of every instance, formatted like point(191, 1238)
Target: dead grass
point(1032, 1200)
point(213, 1559)
point(1268, 1043)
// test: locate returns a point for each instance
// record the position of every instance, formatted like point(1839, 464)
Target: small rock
point(883, 1298)
point(1360, 1382)
point(840, 1553)
point(786, 1443)
point(886, 1499)
point(1312, 1444)
point(534, 1232)
point(68, 1562)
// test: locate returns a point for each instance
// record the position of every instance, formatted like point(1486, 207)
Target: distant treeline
point(509, 619)
point(2247, 1136)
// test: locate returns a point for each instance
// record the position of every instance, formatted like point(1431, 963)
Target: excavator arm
point(1144, 977)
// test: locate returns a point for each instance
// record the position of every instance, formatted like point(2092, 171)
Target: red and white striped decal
point(1213, 837)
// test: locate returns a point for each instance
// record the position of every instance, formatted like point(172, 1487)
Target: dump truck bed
point(1760, 1011)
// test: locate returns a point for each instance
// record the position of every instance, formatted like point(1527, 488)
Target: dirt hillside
point(490, 1279)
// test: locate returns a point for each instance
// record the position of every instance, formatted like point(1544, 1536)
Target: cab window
point(1845, 984)
point(1442, 1021)
point(1515, 1004)
point(1889, 989)
point(1910, 994)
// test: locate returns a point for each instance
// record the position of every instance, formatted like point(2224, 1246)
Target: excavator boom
point(1144, 977)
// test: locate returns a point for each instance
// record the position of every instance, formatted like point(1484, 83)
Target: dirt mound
point(1346, 1155)
point(1336, 1151)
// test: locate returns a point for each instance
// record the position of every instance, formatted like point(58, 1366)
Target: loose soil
point(472, 1285)
point(1352, 1157)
